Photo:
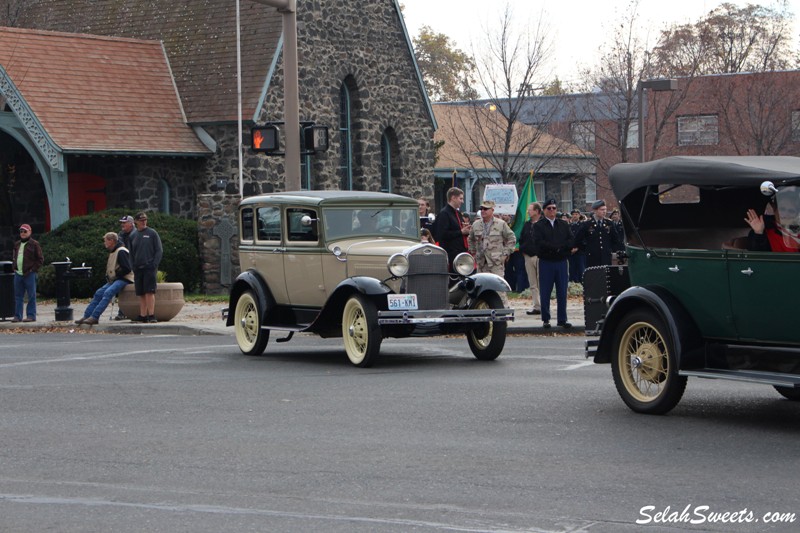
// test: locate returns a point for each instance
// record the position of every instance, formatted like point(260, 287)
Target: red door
point(87, 194)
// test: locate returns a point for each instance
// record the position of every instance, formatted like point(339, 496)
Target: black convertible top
point(704, 171)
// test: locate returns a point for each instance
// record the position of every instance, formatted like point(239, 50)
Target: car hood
point(377, 246)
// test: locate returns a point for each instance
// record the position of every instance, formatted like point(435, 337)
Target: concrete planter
point(169, 301)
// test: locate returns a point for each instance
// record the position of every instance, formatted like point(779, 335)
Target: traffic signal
point(315, 138)
point(265, 138)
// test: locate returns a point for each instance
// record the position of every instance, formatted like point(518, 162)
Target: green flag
point(526, 197)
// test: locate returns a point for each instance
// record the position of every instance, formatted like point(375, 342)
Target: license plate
point(399, 302)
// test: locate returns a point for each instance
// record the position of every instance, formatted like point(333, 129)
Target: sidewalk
point(206, 319)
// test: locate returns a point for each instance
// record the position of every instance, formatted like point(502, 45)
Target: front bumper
point(449, 316)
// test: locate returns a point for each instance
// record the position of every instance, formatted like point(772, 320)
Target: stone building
point(130, 130)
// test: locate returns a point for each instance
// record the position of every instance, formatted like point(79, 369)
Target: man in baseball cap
point(27, 260)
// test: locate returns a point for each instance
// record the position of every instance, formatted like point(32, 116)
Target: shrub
point(81, 239)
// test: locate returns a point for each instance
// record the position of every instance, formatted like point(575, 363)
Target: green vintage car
point(702, 301)
point(350, 264)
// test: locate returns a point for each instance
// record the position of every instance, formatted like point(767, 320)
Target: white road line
point(90, 357)
point(578, 365)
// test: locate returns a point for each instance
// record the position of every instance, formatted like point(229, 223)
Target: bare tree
point(511, 65)
point(729, 39)
point(12, 10)
point(757, 113)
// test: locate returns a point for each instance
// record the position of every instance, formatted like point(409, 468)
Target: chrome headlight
point(464, 264)
point(398, 265)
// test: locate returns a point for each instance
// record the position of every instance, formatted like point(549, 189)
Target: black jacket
point(553, 242)
point(527, 240)
point(447, 232)
point(597, 239)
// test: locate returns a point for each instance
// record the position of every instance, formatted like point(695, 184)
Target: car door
point(698, 279)
point(302, 260)
point(765, 295)
point(266, 256)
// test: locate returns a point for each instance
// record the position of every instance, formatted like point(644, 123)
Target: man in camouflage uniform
point(491, 242)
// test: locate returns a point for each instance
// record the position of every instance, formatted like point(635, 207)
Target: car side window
point(247, 225)
point(269, 224)
point(299, 232)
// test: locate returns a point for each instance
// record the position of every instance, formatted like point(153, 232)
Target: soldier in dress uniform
point(577, 261)
point(597, 237)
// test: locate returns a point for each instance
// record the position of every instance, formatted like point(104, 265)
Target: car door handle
point(674, 269)
point(278, 250)
point(748, 271)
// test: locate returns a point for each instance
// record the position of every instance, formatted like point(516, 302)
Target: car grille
point(427, 277)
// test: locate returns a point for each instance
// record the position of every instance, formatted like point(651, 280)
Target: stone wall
point(361, 42)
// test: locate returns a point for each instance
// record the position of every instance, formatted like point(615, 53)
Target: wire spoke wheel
point(644, 365)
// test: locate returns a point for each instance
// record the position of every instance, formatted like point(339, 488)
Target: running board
point(749, 376)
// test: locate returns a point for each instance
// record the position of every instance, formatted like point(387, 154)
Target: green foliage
point(81, 239)
point(448, 72)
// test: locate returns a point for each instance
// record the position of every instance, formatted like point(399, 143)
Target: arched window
point(164, 199)
point(345, 144)
point(386, 163)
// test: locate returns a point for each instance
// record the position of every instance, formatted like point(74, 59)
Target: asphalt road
point(127, 434)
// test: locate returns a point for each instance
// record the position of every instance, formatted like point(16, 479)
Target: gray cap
point(127, 218)
point(598, 204)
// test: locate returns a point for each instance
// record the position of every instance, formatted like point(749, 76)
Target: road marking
point(217, 509)
point(103, 356)
point(578, 365)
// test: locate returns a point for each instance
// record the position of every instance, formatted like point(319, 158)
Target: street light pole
point(291, 98)
point(655, 85)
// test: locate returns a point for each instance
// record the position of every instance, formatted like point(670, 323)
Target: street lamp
point(291, 104)
point(654, 85)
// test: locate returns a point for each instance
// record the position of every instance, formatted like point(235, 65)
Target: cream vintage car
point(350, 264)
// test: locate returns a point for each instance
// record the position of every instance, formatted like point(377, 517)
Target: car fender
point(486, 281)
point(248, 280)
point(331, 313)
point(684, 333)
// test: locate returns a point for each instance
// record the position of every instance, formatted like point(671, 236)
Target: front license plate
point(399, 302)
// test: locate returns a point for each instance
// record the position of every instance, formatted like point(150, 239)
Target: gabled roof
point(98, 94)
point(200, 39)
point(480, 131)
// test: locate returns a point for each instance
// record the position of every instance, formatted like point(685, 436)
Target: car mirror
point(768, 188)
point(307, 220)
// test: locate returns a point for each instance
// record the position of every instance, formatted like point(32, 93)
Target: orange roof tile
point(99, 94)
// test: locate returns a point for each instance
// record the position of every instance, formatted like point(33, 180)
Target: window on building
point(633, 135)
point(796, 125)
point(305, 172)
point(697, 130)
point(538, 188)
point(345, 144)
point(566, 196)
point(591, 189)
point(582, 134)
point(164, 199)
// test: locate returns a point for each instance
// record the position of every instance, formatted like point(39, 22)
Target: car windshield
point(343, 223)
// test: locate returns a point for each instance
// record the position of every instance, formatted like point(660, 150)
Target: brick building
point(726, 114)
point(145, 116)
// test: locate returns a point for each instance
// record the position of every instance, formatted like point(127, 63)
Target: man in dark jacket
point(27, 260)
point(449, 229)
point(554, 244)
point(119, 272)
point(146, 252)
point(597, 237)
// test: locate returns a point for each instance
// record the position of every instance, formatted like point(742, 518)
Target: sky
point(578, 27)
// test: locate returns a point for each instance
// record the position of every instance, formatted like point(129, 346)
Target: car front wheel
point(360, 330)
point(644, 364)
point(486, 340)
point(250, 337)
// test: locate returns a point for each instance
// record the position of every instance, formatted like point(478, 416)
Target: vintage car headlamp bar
point(464, 264)
point(398, 265)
